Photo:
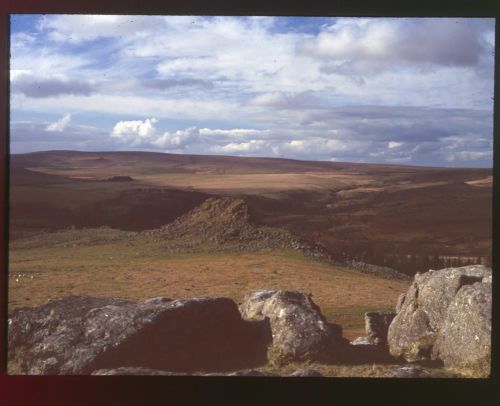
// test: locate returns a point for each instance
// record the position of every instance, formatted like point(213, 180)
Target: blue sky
point(402, 91)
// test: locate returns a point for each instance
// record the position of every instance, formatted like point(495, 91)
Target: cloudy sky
point(403, 91)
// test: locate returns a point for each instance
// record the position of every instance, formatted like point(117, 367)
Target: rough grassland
point(107, 263)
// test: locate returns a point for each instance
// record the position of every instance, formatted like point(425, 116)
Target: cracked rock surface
point(445, 315)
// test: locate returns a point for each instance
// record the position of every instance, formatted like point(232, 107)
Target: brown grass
point(349, 371)
point(140, 270)
point(255, 183)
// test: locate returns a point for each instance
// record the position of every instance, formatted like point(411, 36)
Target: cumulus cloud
point(394, 144)
point(135, 131)
point(59, 125)
point(144, 133)
point(246, 148)
point(306, 148)
point(177, 139)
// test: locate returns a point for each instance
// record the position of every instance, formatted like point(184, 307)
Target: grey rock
point(253, 304)
point(77, 335)
point(418, 323)
point(401, 300)
point(487, 279)
point(38, 338)
point(464, 341)
point(376, 326)
point(299, 330)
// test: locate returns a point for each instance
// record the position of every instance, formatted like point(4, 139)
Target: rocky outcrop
point(299, 330)
point(77, 335)
point(442, 314)
point(224, 222)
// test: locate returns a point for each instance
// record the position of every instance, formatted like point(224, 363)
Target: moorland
point(140, 224)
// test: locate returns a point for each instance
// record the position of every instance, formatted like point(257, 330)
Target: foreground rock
point(446, 315)
point(371, 348)
point(77, 335)
point(465, 338)
point(299, 330)
point(376, 326)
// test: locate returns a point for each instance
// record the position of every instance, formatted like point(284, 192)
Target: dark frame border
point(64, 390)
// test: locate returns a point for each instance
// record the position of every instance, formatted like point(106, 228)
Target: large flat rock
point(77, 335)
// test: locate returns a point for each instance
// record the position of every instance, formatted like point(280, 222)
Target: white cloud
point(468, 155)
point(394, 144)
point(307, 148)
point(367, 45)
point(162, 107)
point(252, 146)
point(59, 125)
point(235, 132)
point(80, 28)
point(135, 131)
point(177, 139)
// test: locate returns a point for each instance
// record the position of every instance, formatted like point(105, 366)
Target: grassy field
point(106, 262)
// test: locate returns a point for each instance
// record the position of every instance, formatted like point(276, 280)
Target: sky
point(415, 91)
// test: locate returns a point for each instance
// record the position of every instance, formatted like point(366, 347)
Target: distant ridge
point(285, 164)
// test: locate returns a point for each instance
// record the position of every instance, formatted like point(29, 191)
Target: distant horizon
point(249, 157)
point(407, 91)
